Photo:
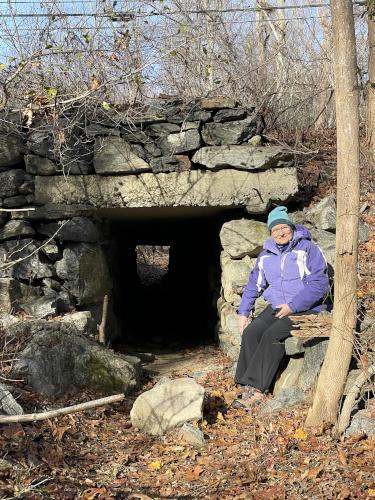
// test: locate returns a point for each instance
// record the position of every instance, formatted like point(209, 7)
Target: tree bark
point(336, 363)
point(371, 89)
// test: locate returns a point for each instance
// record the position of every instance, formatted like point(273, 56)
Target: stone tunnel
point(192, 185)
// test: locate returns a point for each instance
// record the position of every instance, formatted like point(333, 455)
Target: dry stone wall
point(57, 171)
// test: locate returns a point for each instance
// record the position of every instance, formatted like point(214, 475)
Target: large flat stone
point(180, 142)
point(226, 188)
point(85, 271)
point(114, 155)
point(219, 134)
point(243, 237)
point(244, 157)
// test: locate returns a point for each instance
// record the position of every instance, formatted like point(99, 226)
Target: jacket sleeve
point(315, 281)
point(254, 288)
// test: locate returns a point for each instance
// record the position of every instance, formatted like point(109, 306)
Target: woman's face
point(281, 234)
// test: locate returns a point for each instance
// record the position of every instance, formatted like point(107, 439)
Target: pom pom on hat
point(279, 215)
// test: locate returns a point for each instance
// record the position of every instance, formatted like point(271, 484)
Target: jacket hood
point(300, 233)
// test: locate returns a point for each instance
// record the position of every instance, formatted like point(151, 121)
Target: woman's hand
point(243, 321)
point(284, 310)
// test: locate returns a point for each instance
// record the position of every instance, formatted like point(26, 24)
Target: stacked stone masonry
point(56, 173)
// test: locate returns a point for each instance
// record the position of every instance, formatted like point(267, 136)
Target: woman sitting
point(291, 272)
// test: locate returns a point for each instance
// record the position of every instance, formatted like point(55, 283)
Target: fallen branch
point(351, 398)
point(312, 325)
point(33, 417)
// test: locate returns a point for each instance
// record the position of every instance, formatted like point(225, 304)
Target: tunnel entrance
point(166, 276)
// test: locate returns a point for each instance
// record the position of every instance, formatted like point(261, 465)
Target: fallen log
point(33, 417)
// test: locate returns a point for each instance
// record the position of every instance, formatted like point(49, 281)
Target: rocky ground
point(99, 455)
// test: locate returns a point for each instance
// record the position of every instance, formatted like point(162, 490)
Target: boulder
point(235, 274)
point(235, 132)
point(82, 322)
point(289, 376)
point(228, 346)
point(11, 150)
point(157, 130)
point(362, 423)
point(180, 143)
point(190, 126)
point(199, 115)
point(168, 405)
point(80, 229)
point(85, 271)
point(243, 157)
point(10, 181)
point(327, 242)
point(230, 115)
point(40, 142)
point(213, 103)
point(312, 361)
point(16, 229)
point(173, 163)
point(113, 155)
point(8, 404)
point(6, 320)
point(10, 295)
point(56, 360)
point(15, 201)
point(284, 399)
point(36, 165)
point(225, 188)
point(229, 324)
point(243, 237)
point(50, 304)
point(31, 267)
point(294, 345)
point(260, 305)
point(323, 215)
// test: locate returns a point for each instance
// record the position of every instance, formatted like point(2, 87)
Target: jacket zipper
point(282, 263)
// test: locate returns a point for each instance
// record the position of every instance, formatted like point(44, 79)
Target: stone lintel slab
point(225, 188)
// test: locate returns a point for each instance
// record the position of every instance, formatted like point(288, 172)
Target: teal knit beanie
point(279, 215)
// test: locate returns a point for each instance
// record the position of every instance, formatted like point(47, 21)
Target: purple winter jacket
point(296, 276)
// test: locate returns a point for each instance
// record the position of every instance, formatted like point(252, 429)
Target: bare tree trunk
point(336, 363)
point(261, 37)
point(371, 89)
point(324, 98)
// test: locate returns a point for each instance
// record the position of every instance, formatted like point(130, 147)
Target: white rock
point(168, 405)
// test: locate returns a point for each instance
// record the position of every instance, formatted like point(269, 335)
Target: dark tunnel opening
point(166, 280)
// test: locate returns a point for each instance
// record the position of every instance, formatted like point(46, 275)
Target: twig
point(33, 417)
point(16, 209)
